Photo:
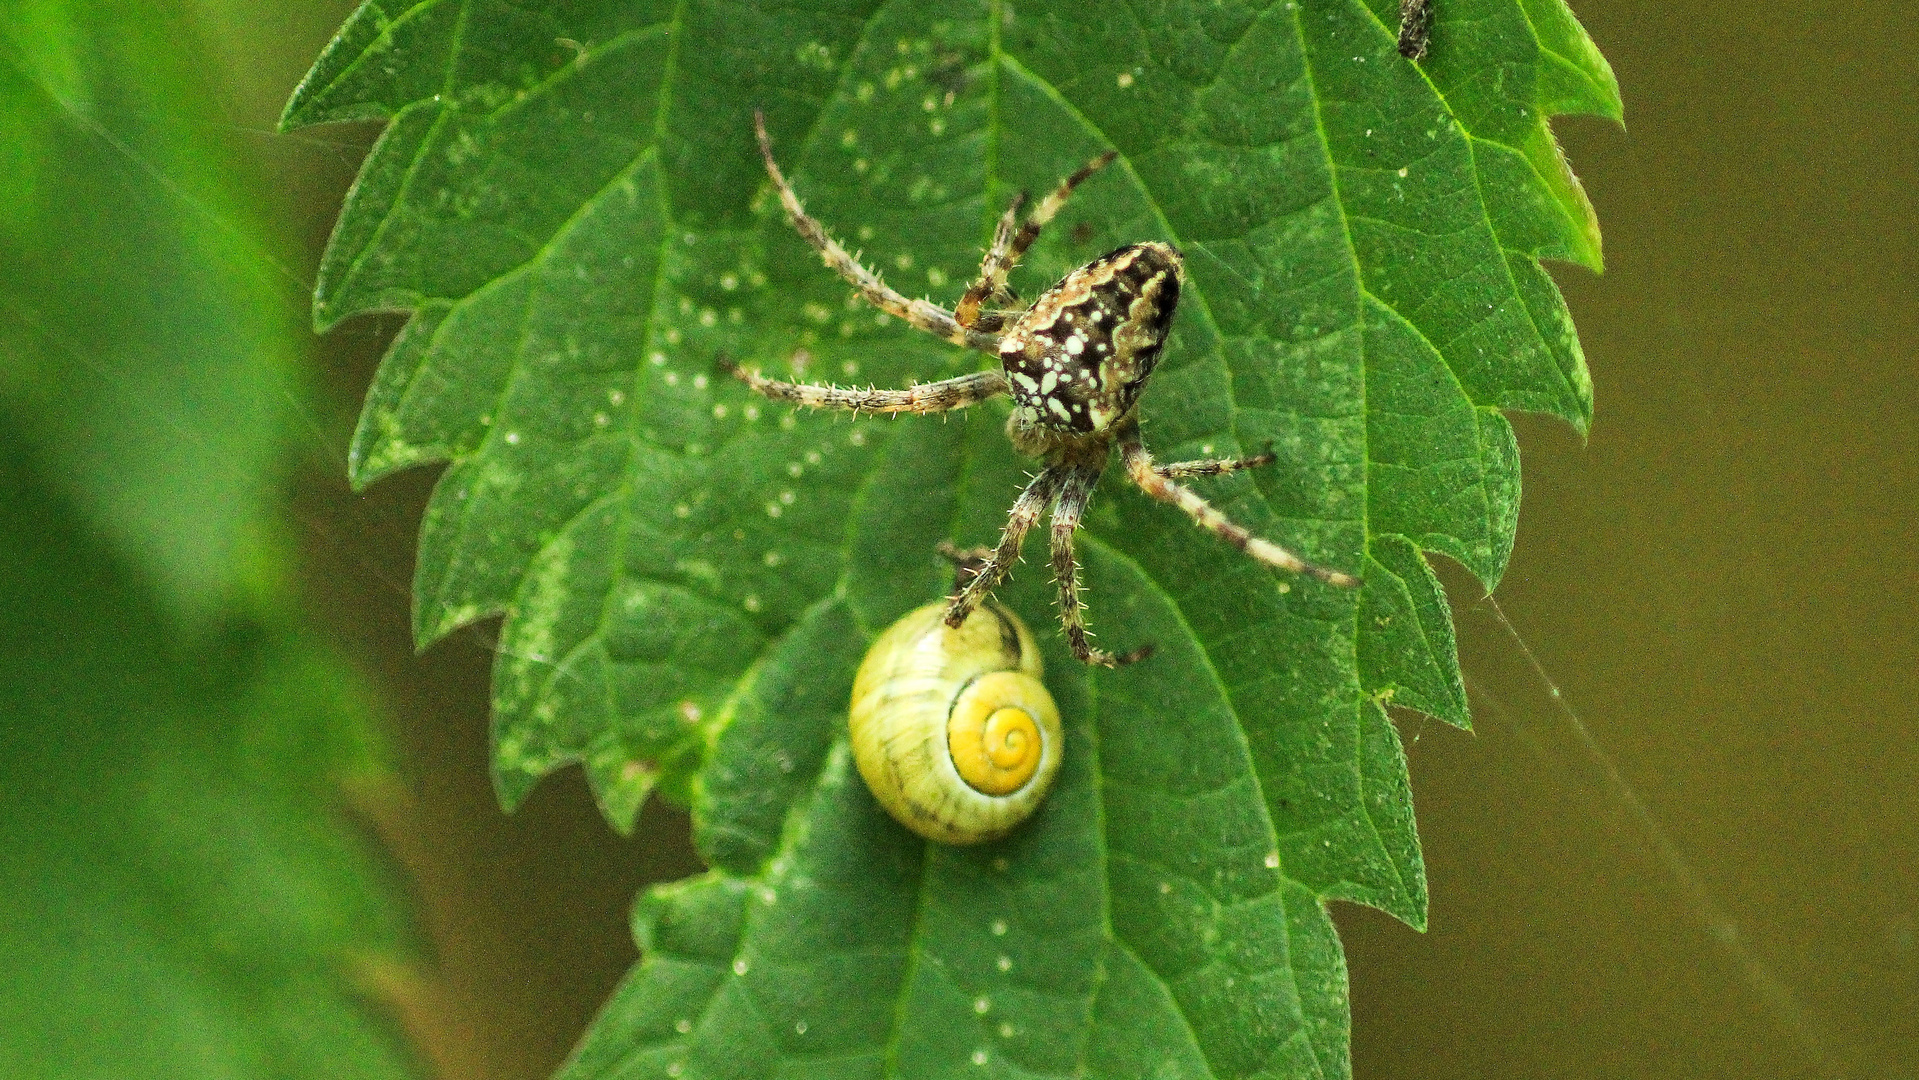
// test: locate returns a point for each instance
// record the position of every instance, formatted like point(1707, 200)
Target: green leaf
point(179, 896)
point(568, 199)
point(145, 340)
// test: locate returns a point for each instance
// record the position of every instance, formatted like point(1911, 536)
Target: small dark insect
point(1074, 362)
point(1415, 27)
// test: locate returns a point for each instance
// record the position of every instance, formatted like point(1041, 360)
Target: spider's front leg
point(1141, 470)
point(934, 397)
point(1026, 511)
point(1072, 499)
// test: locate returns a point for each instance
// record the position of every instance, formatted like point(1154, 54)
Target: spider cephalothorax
point(1074, 363)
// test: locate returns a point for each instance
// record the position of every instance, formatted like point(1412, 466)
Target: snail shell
point(952, 728)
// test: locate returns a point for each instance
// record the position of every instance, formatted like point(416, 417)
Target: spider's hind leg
point(990, 286)
point(1009, 245)
point(934, 397)
point(922, 314)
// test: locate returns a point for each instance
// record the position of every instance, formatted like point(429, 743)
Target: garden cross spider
point(1075, 363)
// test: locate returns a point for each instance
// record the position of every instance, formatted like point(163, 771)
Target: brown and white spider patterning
point(1074, 362)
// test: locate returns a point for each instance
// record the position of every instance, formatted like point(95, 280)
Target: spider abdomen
point(1077, 359)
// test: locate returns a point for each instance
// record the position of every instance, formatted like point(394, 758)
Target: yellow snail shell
point(952, 729)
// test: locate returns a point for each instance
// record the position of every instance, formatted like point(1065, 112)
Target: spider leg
point(1176, 470)
point(991, 283)
point(1026, 511)
point(1073, 496)
point(1139, 468)
point(933, 397)
point(921, 314)
point(1009, 245)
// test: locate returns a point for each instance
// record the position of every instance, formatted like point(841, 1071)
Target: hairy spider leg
point(999, 295)
point(1178, 470)
point(1025, 513)
point(1069, 504)
point(1009, 246)
point(922, 314)
point(1139, 468)
point(934, 397)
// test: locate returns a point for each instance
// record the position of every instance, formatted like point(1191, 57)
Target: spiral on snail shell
point(952, 728)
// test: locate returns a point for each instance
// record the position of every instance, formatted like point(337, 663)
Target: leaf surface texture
point(568, 199)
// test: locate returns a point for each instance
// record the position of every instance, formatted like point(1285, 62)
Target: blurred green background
point(248, 832)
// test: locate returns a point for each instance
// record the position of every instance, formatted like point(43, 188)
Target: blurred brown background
point(1722, 581)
